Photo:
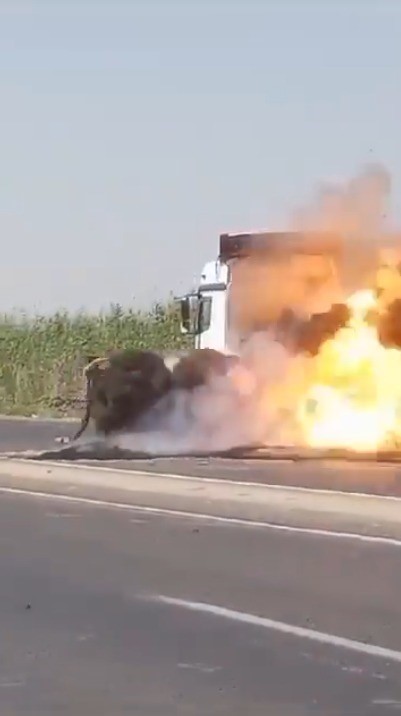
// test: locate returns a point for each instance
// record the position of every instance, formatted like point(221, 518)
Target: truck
point(255, 278)
point(259, 277)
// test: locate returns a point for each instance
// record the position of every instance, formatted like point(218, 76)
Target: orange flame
point(354, 399)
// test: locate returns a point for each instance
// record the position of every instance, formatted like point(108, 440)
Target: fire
point(354, 398)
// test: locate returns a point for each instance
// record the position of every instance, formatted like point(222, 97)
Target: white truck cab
point(204, 312)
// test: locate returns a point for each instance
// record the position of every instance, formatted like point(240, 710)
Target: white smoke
point(244, 408)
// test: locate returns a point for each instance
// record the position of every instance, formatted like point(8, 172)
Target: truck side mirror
point(190, 313)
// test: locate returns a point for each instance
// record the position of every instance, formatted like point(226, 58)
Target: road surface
point(385, 479)
point(85, 630)
point(21, 434)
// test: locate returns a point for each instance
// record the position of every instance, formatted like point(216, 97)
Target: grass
point(41, 358)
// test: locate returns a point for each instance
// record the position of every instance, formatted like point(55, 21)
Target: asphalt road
point(84, 631)
point(375, 478)
point(16, 434)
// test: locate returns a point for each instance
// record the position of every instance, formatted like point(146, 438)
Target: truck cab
point(204, 312)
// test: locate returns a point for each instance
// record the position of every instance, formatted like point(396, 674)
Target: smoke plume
point(358, 211)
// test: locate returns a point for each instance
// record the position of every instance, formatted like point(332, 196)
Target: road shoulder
point(256, 504)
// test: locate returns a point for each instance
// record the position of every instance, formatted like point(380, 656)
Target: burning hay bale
point(121, 387)
point(199, 366)
point(127, 385)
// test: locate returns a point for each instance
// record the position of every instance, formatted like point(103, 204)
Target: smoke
point(257, 402)
point(359, 208)
point(247, 407)
point(263, 287)
point(358, 211)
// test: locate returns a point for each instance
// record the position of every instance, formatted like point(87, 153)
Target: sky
point(133, 133)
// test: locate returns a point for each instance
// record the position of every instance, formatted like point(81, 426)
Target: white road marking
point(314, 532)
point(138, 521)
point(200, 667)
point(291, 629)
point(338, 664)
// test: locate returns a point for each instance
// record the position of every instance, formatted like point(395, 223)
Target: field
point(42, 357)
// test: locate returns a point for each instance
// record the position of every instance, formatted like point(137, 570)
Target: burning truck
point(331, 302)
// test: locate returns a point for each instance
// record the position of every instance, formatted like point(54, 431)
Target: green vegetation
point(41, 358)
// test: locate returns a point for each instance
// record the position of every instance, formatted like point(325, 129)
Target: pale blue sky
point(133, 133)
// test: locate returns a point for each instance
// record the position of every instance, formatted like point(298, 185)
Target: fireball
point(354, 395)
